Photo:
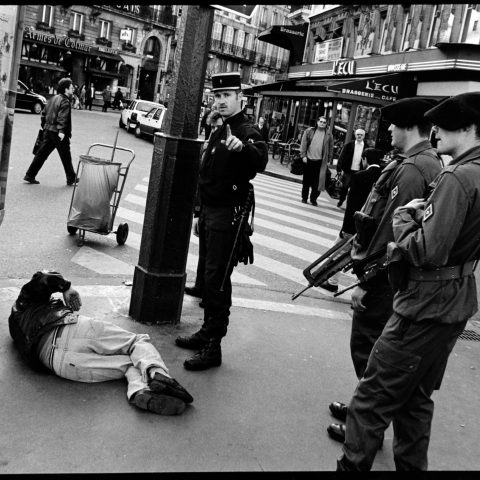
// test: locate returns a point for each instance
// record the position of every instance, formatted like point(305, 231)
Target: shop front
point(46, 58)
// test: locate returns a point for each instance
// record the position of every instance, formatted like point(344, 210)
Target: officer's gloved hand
point(244, 249)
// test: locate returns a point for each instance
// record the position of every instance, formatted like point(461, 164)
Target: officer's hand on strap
point(304, 159)
point(232, 142)
point(72, 299)
point(415, 204)
point(357, 297)
point(195, 226)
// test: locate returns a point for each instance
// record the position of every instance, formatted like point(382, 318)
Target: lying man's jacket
point(34, 314)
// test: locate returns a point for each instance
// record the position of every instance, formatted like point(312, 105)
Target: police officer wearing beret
point(402, 180)
point(236, 152)
point(438, 240)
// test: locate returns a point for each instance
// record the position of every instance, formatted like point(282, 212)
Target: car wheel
point(37, 108)
point(138, 131)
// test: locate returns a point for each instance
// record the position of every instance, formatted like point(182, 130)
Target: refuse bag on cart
point(90, 208)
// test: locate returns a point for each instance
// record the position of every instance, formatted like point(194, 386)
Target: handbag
point(334, 185)
point(38, 141)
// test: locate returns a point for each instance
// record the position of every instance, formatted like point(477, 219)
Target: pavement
point(264, 410)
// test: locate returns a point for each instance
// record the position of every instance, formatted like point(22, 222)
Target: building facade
point(124, 46)
point(359, 58)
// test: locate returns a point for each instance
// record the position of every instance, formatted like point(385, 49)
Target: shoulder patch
point(394, 192)
point(428, 212)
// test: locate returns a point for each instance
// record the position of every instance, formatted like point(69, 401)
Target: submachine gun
point(338, 259)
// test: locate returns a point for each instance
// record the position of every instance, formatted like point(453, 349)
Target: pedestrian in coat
point(405, 178)
point(262, 128)
point(117, 99)
point(89, 96)
point(56, 121)
point(53, 338)
point(83, 92)
point(235, 153)
point(316, 150)
point(437, 239)
point(350, 162)
point(107, 98)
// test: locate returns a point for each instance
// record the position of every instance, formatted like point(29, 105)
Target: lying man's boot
point(338, 410)
point(209, 356)
point(195, 341)
point(154, 402)
point(337, 432)
point(169, 386)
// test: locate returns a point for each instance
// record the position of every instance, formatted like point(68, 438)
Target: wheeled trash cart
point(96, 196)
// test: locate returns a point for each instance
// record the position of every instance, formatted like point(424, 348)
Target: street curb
point(284, 177)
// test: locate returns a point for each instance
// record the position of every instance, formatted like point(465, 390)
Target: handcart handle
point(116, 148)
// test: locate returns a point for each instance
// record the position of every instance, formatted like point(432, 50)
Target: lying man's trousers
point(406, 364)
point(97, 351)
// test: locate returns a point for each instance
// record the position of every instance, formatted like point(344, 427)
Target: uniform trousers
point(217, 235)
point(97, 351)
point(50, 142)
point(406, 364)
point(368, 325)
point(346, 182)
point(311, 177)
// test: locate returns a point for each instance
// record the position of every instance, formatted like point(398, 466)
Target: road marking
point(101, 263)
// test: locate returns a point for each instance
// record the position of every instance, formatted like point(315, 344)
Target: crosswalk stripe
point(141, 188)
point(130, 215)
point(101, 263)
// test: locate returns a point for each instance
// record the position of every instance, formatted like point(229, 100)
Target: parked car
point(151, 122)
point(130, 113)
point(28, 99)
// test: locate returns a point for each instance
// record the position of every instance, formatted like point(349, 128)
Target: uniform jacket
point(224, 174)
point(34, 314)
point(448, 235)
point(360, 187)
point(346, 156)
point(57, 116)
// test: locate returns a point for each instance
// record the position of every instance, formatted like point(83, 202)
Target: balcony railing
point(228, 48)
point(128, 47)
point(103, 41)
point(45, 27)
point(76, 34)
point(163, 16)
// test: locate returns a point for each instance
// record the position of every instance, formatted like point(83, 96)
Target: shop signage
point(126, 34)
point(135, 9)
point(343, 67)
point(330, 50)
point(381, 88)
point(397, 67)
point(67, 42)
point(107, 50)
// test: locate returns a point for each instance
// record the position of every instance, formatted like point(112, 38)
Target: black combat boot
point(209, 356)
point(196, 341)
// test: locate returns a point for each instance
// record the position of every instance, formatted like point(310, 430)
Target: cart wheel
point(72, 230)
point(122, 233)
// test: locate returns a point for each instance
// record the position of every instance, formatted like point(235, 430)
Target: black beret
point(408, 111)
point(226, 81)
point(456, 112)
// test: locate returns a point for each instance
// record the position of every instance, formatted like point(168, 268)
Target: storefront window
point(367, 118)
point(340, 125)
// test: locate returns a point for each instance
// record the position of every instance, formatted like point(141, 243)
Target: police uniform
point(403, 180)
point(223, 187)
point(430, 310)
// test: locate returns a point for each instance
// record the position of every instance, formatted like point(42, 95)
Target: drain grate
point(470, 335)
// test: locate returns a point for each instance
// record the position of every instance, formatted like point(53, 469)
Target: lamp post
point(159, 278)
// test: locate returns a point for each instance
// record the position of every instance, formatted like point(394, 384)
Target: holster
point(365, 225)
point(397, 268)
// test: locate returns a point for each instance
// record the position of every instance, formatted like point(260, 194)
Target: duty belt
point(442, 273)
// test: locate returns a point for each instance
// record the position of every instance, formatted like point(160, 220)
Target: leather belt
point(442, 273)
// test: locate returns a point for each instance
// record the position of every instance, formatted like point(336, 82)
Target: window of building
point(470, 32)
point(228, 35)
point(240, 38)
point(132, 35)
point(434, 26)
point(104, 29)
point(217, 31)
point(407, 27)
point(47, 14)
point(77, 22)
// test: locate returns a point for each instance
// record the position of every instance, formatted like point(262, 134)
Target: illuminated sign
point(343, 67)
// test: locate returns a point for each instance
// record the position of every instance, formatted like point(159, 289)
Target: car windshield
point(144, 107)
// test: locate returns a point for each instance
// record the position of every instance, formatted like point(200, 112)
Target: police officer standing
point(438, 240)
point(236, 152)
point(402, 180)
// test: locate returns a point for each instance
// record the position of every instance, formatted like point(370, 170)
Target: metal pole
point(11, 31)
point(159, 278)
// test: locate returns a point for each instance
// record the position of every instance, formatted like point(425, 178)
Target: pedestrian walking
point(350, 162)
point(52, 337)
point(83, 92)
point(89, 96)
point(215, 121)
point(235, 153)
point(438, 242)
point(107, 98)
point(262, 128)
point(203, 122)
point(117, 99)
point(405, 178)
point(316, 150)
point(56, 121)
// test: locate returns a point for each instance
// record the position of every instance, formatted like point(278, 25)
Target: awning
point(289, 37)
point(45, 66)
point(102, 73)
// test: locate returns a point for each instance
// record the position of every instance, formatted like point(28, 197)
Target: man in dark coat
point(89, 96)
point(235, 153)
point(56, 122)
point(437, 238)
